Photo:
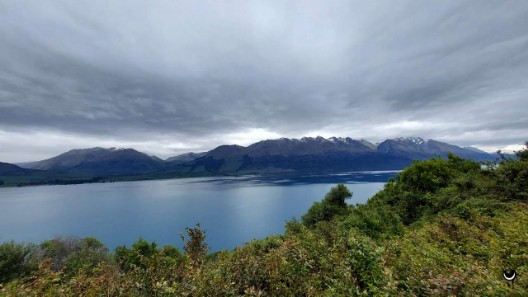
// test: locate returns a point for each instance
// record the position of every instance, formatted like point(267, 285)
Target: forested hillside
point(442, 227)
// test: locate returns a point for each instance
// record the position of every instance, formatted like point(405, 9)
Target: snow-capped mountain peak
point(413, 140)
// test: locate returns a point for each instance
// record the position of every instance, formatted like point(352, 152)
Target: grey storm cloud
point(134, 71)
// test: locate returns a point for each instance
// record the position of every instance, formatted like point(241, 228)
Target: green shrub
point(72, 254)
point(425, 176)
point(134, 257)
point(333, 204)
point(512, 180)
point(17, 260)
point(377, 222)
point(364, 259)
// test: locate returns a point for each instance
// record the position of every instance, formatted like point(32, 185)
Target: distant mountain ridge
point(12, 169)
point(308, 146)
point(321, 155)
point(419, 148)
point(101, 161)
point(305, 155)
point(185, 157)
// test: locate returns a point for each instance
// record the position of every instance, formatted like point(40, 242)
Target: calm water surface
point(231, 210)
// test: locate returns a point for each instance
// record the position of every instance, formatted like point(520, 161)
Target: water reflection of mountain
point(291, 179)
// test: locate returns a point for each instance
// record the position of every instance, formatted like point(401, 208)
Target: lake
point(232, 210)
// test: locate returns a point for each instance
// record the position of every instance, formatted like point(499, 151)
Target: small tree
point(195, 247)
point(523, 154)
point(338, 195)
point(332, 204)
point(512, 177)
point(425, 176)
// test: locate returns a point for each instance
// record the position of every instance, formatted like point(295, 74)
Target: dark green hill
point(11, 169)
point(102, 162)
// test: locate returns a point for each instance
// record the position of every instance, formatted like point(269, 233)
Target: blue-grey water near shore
point(232, 210)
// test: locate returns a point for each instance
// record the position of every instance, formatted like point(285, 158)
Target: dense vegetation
point(441, 227)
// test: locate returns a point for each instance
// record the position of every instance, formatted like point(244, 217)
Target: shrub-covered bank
point(440, 228)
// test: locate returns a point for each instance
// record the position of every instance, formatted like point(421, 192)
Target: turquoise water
point(231, 210)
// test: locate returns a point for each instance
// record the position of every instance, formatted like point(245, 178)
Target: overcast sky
point(168, 77)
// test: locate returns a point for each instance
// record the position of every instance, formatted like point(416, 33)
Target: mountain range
point(296, 156)
point(321, 155)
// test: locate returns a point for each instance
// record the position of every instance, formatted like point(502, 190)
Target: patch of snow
point(413, 140)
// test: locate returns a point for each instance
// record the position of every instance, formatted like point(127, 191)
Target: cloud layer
point(176, 76)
